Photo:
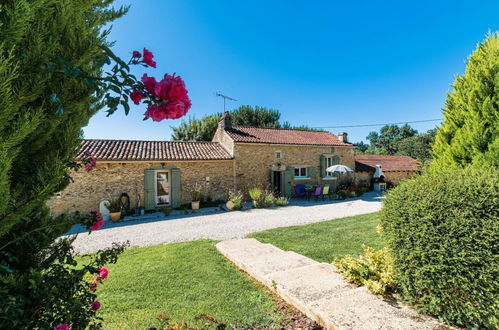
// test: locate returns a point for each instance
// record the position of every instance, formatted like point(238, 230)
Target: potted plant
point(195, 198)
point(235, 201)
point(115, 210)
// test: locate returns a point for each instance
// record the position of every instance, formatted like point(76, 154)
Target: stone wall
point(254, 161)
point(110, 180)
point(224, 139)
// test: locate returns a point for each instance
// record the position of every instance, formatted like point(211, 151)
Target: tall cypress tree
point(470, 130)
point(43, 45)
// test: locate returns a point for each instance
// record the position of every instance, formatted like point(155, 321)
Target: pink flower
point(136, 54)
point(148, 58)
point(135, 62)
point(149, 83)
point(95, 305)
point(100, 220)
point(136, 96)
point(62, 326)
point(103, 272)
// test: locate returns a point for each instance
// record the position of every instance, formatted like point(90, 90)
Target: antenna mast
point(225, 97)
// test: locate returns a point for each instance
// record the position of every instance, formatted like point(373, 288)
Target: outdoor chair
point(300, 190)
point(325, 192)
point(317, 192)
point(308, 190)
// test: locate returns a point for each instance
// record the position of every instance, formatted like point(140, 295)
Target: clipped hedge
point(443, 233)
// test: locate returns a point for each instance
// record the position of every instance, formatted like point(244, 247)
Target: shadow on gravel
point(131, 221)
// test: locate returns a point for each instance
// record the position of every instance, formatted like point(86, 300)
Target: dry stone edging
point(319, 290)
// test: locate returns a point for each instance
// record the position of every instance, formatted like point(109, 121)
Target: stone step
point(319, 290)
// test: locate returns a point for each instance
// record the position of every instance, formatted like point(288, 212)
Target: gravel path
point(225, 225)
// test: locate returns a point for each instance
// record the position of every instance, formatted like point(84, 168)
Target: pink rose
point(95, 305)
point(62, 326)
point(103, 272)
point(149, 83)
point(148, 58)
point(100, 220)
point(136, 96)
point(136, 54)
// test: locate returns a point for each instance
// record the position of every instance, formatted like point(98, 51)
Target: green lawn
point(183, 280)
point(323, 241)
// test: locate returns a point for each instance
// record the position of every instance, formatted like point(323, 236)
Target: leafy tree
point(361, 147)
point(204, 129)
point(196, 129)
point(470, 130)
point(417, 146)
point(385, 142)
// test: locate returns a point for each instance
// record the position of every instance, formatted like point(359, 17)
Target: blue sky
point(321, 63)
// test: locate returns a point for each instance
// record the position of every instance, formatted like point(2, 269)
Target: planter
point(232, 207)
point(195, 205)
point(115, 216)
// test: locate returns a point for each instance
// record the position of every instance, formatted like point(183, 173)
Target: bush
point(281, 201)
point(255, 193)
point(443, 233)
point(373, 269)
point(261, 199)
point(235, 201)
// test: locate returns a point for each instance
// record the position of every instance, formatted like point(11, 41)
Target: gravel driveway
point(224, 225)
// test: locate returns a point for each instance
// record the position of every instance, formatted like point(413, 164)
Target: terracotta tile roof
point(129, 150)
point(367, 163)
point(283, 136)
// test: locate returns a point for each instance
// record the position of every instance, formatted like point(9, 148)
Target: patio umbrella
point(339, 169)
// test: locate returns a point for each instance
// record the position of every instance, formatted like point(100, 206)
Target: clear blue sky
point(321, 63)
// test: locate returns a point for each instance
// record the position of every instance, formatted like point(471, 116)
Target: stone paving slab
point(319, 290)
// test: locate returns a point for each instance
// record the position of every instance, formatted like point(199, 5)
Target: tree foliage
point(470, 130)
point(442, 230)
point(204, 129)
point(385, 142)
point(44, 45)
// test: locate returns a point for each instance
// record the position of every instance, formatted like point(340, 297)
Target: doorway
point(277, 183)
point(162, 188)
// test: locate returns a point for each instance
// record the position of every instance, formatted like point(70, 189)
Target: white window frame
point(278, 154)
point(169, 188)
point(329, 162)
point(300, 168)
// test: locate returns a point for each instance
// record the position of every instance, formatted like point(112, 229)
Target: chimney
point(225, 121)
point(343, 137)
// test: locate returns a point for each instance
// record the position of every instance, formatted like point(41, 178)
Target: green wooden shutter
point(176, 190)
point(311, 172)
point(271, 179)
point(288, 175)
point(323, 166)
point(149, 193)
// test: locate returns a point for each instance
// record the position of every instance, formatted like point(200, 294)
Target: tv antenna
point(225, 97)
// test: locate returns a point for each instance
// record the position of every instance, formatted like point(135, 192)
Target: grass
point(183, 280)
point(323, 241)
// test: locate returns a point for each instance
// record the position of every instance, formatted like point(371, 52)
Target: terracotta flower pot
point(195, 205)
point(115, 216)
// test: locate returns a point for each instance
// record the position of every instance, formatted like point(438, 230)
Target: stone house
point(395, 168)
point(163, 173)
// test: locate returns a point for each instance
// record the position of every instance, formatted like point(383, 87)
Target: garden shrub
point(281, 201)
point(373, 269)
point(261, 199)
point(235, 201)
point(443, 233)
